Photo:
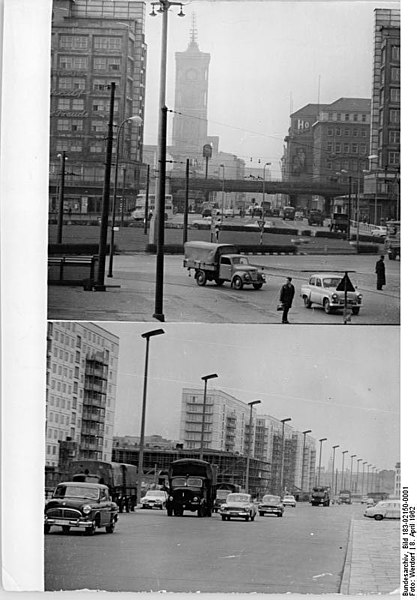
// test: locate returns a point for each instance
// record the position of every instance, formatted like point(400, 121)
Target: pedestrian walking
point(380, 273)
point(286, 296)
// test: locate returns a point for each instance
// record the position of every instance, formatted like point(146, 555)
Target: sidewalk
point(373, 558)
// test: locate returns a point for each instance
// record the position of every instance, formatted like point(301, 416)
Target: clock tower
point(191, 87)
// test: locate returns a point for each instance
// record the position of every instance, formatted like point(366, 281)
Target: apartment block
point(81, 386)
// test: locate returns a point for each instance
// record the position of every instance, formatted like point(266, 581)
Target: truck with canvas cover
point(220, 263)
point(192, 486)
point(120, 478)
point(345, 497)
point(320, 496)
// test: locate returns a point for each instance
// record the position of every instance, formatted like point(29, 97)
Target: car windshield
point(238, 498)
point(331, 282)
point(271, 499)
point(240, 260)
point(288, 497)
point(73, 491)
point(184, 482)
point(155, 494)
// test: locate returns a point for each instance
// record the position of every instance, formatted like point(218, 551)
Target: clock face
point(191, 74)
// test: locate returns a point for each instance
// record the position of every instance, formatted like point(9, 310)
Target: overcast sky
point(338, 381)
point(267, 57)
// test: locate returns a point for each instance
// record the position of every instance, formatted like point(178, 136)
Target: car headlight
point(87, 509)
point(359, 296)
point(335, 297)
point(195, 499)
point(246, 276)
point(263, 277)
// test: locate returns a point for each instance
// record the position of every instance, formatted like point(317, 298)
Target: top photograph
point(224, 162)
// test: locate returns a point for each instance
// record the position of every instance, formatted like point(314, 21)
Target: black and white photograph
point(180, 180)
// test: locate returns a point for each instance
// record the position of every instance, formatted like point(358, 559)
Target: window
point(107, 43)
point(364, 133)
point(395, 74)
point(394, 115)
point(339, 116)
point(362, 149)
point(76, 125)
point(394, 94)
point(65, 83)
point(338, 147)
point(329, 131)
point(114, 64)
point(355, 117)
point(393, 158)
point(63, 125)
point(394, 137)
point(64, 104)
point(338, 131)
point(79, 83)
point(354, 148)
point(347, 132)
point(329, 147)
point(99, 64)
point(78, 104)
point(395, 53)
point(364, 118)
point(355, 133)
point(346, 148)
point(347, 116)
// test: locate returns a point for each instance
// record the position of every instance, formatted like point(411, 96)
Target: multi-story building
point(95, 43)
point(382, 185)
point(81, 384)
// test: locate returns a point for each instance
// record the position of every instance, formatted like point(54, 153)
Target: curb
point(347, 566)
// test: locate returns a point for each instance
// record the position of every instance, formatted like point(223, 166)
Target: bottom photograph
point(204, 458)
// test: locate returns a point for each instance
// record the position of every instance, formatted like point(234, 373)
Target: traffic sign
point(345, 285)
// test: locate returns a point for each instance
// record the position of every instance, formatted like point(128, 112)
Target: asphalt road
point(302, 552)
point(132, 297)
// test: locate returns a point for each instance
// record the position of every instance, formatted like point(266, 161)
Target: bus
point(138, 214)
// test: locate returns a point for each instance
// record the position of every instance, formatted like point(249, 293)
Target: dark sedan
point(271, 505)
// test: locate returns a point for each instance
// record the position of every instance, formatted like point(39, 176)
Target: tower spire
point(193, 31)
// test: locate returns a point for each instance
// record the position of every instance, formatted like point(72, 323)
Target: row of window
point(347, 132)
point(338, 148)
point(394, 95)
point(100, 63)
point(354, 117)
point(394, 137)
point(395, 53)
point(80, 42)
point(394, 72)
point(394, 117)
point(350, 165)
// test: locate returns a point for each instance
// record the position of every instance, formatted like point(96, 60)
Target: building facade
point(382, 184)
point(95, 43)
point(81, 386)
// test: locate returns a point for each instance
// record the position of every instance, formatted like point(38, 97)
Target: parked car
point(379, 231)
point(315, 217)
point(321, 290)
point(386, 509)
point(154, 499)
point(238, 506)
point(299, 215)
point(271, 505)
point(79, 505)
point(289, 500)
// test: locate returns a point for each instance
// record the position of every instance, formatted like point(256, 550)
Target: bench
point(73, 270)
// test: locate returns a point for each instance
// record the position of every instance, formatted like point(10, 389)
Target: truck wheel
point(326, 306)
point(201, 278)
point(257, 286)
point(355, 311)
point(237, 283)
point(307, 302)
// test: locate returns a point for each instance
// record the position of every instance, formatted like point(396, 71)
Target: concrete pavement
point(373, 558)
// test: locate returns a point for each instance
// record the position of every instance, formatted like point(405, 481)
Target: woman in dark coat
point(380, 273)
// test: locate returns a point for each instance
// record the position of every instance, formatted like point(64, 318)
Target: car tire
point(237, 283)
point(307, 302)
point(91, 530)
point(378, 517)
point(66, 528)
point(110, 528)
point(355, 311)
point(257, 286)
point(223, 517)
point(201, 278)
point(326, 306)
point(46, 529)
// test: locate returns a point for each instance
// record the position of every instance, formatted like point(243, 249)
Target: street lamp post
point(134, 119)
point(164, 6)
point(205, 378)
point(222, 166)
point(147, 337)
point(283, 421)
point(263, 185)
point(334, 453)
point(351, 471)
point(318, 477)
point(358, 460)
point(63, 158)
point(343, 468)
point(368, 487)
point(363, 477)
point(303, 458)
point(251, 404)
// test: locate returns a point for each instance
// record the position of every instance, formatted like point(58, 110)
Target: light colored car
point(154, 499)
point(386, 509)
point(271, 505)
point(379, 231)
point(238, 506)
point(289, 500)
point(321, 289)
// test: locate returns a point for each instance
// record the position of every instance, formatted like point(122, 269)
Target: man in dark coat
point(380, 273)
point(286, 297)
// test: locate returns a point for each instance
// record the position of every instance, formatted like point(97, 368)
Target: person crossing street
point(286, 297)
